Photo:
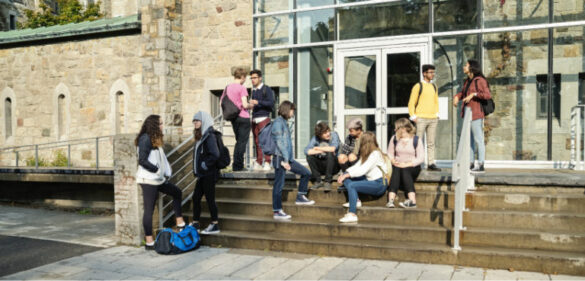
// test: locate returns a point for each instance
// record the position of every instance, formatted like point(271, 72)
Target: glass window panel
point(569, 10)
point(313, 3)
point(514, 12)
point(315, 92)
point(266, 6)
point(360, 82)
point(8, 117)
point(449, 55)
point(455, 15)
point(569, 55)
point(315, 26)
point(513, 62)
point(275, 67)
point(403, 70)
point(273, 30)
point(396, 18)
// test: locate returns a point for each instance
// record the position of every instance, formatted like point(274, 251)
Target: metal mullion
point(344, 5)
point(550, 81)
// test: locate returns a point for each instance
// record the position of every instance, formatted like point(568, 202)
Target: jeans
point(205, 185)
point(404, 177)
point(477, 141)
point(326, 165)
point(279, 173)
point(256, 128)
point(150, 194)
point(429, 126)
point(362, 185)
point(241, 128)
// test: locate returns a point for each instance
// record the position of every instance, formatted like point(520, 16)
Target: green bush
point(70, 11)
point(60, 159)
point(30, 162)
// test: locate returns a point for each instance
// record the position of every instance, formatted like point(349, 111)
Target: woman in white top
point(365, 176)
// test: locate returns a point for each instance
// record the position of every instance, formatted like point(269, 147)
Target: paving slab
point(286, 269)
point(346, 270)
point(376, 269)
point(317, 269)
point(468, 273)
point(406, 271)
point(259, 267)
point(435, 272)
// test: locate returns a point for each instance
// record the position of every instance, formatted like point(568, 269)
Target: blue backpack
point(169, 242)
point(265, 140)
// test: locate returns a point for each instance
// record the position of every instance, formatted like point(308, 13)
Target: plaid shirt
point(349, 146)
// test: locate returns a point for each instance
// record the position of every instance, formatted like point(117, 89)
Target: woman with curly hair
point(153, 173)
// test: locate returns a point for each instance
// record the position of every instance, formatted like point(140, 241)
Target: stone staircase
point(508, 227)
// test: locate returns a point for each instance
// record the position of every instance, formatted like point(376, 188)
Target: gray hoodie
point(206, 123)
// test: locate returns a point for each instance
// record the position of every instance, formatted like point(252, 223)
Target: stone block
point(46, 132)
point(87, 154)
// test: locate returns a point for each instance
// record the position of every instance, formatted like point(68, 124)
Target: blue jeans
point(477, 141)
point(279, 173)
point(362, 185)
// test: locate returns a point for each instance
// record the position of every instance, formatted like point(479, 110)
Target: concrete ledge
point(98, 177)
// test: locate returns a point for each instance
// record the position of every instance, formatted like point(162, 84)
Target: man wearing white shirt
point(263, 101)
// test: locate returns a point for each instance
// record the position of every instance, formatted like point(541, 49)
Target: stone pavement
point(123, 262)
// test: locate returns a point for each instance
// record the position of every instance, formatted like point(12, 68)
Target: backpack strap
point(420, 92)
point(414, 143)
point(264, 91)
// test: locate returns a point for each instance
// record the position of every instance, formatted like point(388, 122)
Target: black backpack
point(488, 106)
point(228, 108)
point(224, 154)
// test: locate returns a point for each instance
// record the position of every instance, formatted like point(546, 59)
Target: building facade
point(337, 59)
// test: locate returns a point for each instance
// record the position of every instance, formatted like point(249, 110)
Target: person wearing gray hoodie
point(205, 156)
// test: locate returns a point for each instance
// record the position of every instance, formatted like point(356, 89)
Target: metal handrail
point(461, 175)
point(577, 161)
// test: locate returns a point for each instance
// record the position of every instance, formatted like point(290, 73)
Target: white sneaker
point(257, 167)
point(281, 215)
point(359, 204)
point(349, 218)
point(267, 167)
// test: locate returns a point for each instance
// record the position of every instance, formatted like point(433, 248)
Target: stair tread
point(327, 222)
point(269, 187)
point(523, 231)
point(534, 213)
point(524, 252)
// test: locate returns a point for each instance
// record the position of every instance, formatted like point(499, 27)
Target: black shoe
point(433, 167)
point(212, 228)
point(471, 166)
point(196, 226)
point(327, 186)
point(317, 185)
point(149, 247)
point(479, 169)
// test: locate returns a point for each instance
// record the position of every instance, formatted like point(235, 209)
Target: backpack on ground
point(169, 242)
point(229, 109)
point(224, 153)
point(487, 106)
point(265, 140)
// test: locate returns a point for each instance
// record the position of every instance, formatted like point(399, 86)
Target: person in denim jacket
point(321, 155)
point(283, 161)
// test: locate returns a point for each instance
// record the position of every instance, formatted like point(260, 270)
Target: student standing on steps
point(423, 108)
point(366, 176)
point(406, 153)
point(283, 161)
point(241, 125)
point(263, 102)
point(205, 156)
point(153, 173)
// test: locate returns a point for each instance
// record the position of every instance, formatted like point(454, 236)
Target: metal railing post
point(97, 153)
point(36, 156)
point(578, 147)
point(16, 152)
point(68, 155)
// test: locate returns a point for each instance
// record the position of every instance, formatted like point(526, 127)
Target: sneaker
point(327, 186)
point(303, 200)
point(434, 168)
point(281, 215)
point(471, 166)
point(317, 185)
point(358, 204)
point(266, 167)
point(390, 204)
point(349, 217)
point(212, 228)
point(181, 227)
point(257, 167)
point(149, 247)
point(196, 226)
point(478, 169)
point(407, 204)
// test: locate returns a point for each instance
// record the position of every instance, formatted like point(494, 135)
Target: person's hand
point(285, 165)
point(341, 178)
point(455, 101)
point(352, 157)
point(253, 102)
point(468, 98)
point(393, 161)
point(203, 166)
point(414, 120)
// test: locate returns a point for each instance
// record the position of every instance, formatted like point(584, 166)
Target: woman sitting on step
point(406, 153)
point(366, 176)
point(153, 173)
point(205, 156)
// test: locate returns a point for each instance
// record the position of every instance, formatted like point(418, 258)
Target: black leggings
point(150, 194)
point(404, 177)
point(205, 185)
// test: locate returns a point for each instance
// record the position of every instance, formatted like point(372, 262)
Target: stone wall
point(217, 37)
point(88, 73)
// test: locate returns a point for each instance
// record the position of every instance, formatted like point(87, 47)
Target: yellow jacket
point(428, 102)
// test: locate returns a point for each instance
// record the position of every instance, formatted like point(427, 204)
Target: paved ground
point(124, 262)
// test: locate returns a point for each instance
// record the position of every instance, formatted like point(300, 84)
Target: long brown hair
point(152, 129)
point(368, 144)
point(406, 124)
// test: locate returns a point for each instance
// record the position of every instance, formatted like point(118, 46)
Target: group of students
point(360, 159)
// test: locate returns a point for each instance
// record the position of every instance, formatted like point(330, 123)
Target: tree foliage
point(69, 11)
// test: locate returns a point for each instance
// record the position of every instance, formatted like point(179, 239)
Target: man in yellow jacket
point(423, 108)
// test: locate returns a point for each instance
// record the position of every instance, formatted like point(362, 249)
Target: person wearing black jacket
point(153, 173)
point(263, 101)
point(205, 156)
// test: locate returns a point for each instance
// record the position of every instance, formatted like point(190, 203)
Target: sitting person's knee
point(342, 159)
